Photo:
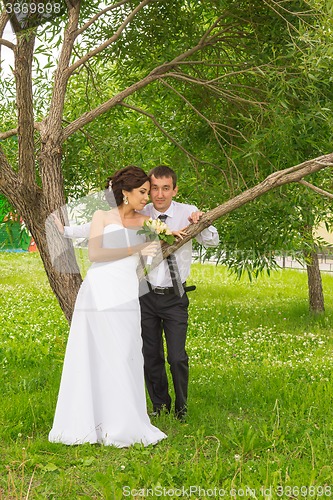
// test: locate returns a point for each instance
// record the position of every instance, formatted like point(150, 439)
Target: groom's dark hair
point(164, 171)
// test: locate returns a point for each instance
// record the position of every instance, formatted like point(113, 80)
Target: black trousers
point(168, 313)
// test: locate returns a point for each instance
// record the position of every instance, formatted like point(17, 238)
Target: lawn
point(260, 421)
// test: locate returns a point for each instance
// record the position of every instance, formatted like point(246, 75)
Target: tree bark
point(315, 286)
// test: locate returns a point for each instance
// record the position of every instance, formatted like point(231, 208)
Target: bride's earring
point(125, 200)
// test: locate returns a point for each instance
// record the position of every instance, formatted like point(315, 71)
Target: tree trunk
point(316, 296)
point(36, 202)
point(56, 252)
point(315, 286)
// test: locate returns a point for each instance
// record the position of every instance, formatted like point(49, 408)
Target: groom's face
point(162, 192)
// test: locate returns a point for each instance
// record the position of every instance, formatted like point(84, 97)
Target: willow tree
point(218, 47)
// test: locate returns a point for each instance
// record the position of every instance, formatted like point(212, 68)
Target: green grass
point(260, 398)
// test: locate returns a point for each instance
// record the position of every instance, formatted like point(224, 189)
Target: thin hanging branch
point(111, 40)
point(154, 75)
point(194, 159)
point(164, 132)
point(206, 83)
point(316, 189)
point(214, 125)
point(98, 15)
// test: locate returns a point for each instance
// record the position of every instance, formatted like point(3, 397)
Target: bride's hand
point(180, 234)
point(57, 222)
point(150, 248)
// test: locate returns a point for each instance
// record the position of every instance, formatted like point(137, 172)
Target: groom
point(163, 308)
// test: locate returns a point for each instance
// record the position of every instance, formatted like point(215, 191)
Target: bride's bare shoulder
point(99, 214)
point(105, 216)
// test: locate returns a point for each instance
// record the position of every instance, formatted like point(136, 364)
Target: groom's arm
point(81, 231)
point(209, 237)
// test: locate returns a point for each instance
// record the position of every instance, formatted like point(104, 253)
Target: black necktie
point(173, 268)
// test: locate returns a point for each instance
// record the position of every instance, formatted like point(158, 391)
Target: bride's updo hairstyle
point(126, 179)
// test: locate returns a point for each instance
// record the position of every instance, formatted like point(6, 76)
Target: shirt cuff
point(67, 232)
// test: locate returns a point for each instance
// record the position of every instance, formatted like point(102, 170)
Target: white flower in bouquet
point(155, 229)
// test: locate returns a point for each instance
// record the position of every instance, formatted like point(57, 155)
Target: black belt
point(168, 290)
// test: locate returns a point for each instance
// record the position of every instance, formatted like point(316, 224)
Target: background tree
point(198, 71)
point(296, 124)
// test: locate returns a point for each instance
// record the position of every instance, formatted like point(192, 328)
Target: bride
point(102, 394)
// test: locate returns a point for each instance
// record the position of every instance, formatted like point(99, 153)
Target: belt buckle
point(159, 290)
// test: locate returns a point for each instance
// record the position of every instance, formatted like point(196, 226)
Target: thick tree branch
point(279, 178)
point(14, 131)
point(8, 133)
point(24, 102)
point(54, 119)
point(316, 189)
point(89, 116)
point(4, 18)
point(7, 43)
point(157, 72)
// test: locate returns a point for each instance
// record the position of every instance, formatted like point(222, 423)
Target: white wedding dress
point(102, 394)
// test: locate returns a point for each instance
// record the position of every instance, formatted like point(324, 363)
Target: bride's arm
point(97, 253)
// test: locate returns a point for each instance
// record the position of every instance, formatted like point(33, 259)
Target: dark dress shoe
point(157, 411)
point(181, 414)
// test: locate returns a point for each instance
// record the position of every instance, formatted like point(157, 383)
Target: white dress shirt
point(178, 214)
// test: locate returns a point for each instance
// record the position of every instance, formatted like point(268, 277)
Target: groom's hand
point(195, 217)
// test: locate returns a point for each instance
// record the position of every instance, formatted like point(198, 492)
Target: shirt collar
point(168, 212)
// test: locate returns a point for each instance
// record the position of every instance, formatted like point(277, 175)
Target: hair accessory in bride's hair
point(110, 185)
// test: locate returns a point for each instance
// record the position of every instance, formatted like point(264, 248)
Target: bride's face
point(138, 197)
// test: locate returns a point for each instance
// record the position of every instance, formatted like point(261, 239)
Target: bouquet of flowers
point(155, 229)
